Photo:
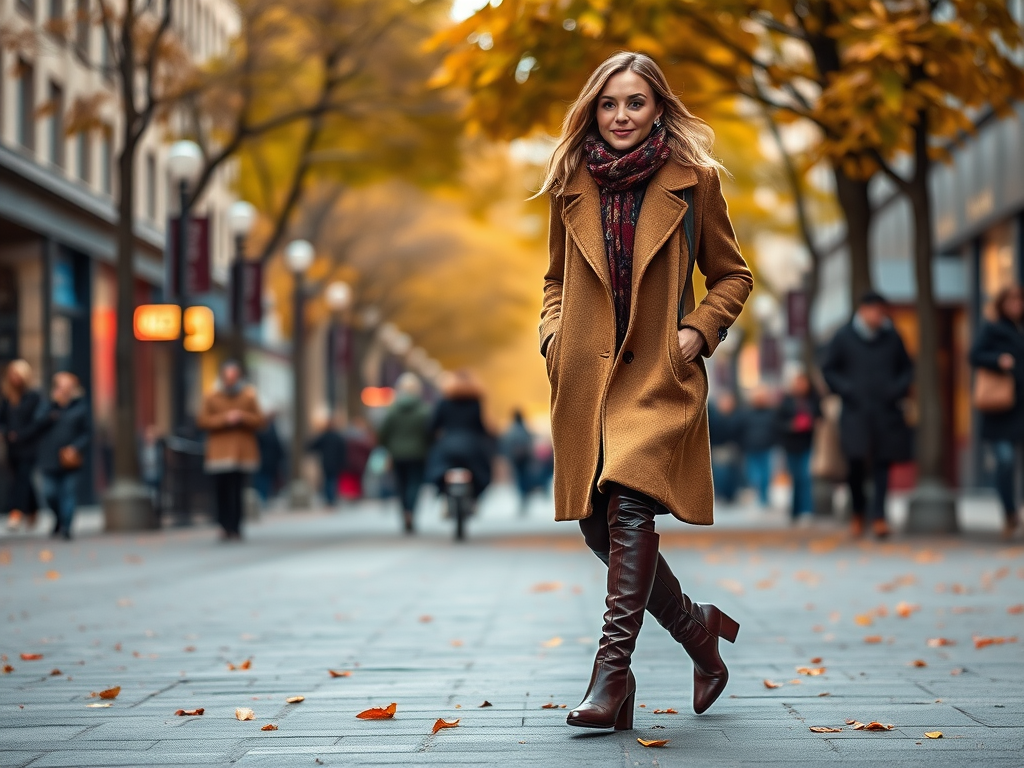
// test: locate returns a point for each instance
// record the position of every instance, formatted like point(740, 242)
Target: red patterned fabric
point(622, 180)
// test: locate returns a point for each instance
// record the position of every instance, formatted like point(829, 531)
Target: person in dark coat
point(724, 433)
point(1000, 347)
point(460, 439)
point(64, 428)
point(404, 434)
point(330, 444)
point(267, 478)
point(798, 414)
point(517, 445)
point(867, 365)
point(17, 424)
point(758, 435)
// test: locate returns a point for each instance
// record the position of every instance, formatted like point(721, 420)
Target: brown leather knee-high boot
point(697, 627)
point(632, 560)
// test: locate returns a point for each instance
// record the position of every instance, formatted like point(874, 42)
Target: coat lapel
point(661, 213)
point(583, 221)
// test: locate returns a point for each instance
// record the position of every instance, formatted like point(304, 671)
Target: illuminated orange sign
point(378, 397)
point(198, 329)
point(157, 322)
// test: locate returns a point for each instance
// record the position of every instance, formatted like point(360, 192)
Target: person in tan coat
point(231, 417)
point(636, 201)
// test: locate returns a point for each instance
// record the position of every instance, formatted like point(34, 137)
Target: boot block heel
point(723, 625)
point(624, 721)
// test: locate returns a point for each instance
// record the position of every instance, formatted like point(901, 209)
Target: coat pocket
point(551, 358)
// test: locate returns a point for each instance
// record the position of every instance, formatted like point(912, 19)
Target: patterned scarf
point(622, 180)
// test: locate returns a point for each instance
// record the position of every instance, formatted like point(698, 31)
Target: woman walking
point(17, 422)
point(231, 416)
point(636, 200)
point(64, 429)
point(1000, 347)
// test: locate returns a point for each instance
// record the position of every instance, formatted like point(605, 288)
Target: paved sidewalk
point(510, 617)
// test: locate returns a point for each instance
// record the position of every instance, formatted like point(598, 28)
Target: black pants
point(857, 477)
point(639, 514)
point(408, 481)
point(229, 487)
point(22, 493)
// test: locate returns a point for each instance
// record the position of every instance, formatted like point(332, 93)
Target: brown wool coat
point(231, 447)
point(642, 414)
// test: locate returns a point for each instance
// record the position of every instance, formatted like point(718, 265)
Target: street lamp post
point(339, 298)
point(184, 162)
point(241, 217)
point(299, 257)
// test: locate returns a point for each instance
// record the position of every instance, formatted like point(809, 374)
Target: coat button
point(627, 358)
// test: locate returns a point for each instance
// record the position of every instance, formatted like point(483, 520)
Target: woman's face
point(1013, 305)
point(626, 111)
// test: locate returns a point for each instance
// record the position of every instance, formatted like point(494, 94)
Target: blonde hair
point(24, 372)
point(690, 138)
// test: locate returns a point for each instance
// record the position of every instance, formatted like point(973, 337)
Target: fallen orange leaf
point(379, 713)
point(110, 693)
point(457, 643)
point(45, 555)
point(55, 673)
point(269, 727)
point(440, 724)
point(8, 669)
point(769, 684)
point(244, 713)
point(552, 705)
point(486, 704)
point(336, 673)
point(31, 656)
point(295, 700)
point(554, 642)
point(1018, 608)
point(652, 742)
point(981, 642)
point(919, 663)
point(933, 734)
point(53, 575)
point(668, 711)
point(811, 671)
point(874, 725)
point(546, 586)
point(425, 619)
point(863, 619)
point(825, 729)
point(904, 609)
point(190, 712)
point(938, 642)
point(873, 639)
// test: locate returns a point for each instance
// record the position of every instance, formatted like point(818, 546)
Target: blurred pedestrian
point(329, 443)
point(359, 444)
point(17, 423)
point(724, 434)
point(758, 436)
point(517, 445)
point(151, 460)
point(629, 420)
point(231, 416)
point(268, 477)
point(998, 354)
point(404, 434)
point(460, 439)
point(798, 416)
point(65, 430)
point(867, 365)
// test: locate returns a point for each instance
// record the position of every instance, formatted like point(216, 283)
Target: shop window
point(57, 137)
point(26, 105)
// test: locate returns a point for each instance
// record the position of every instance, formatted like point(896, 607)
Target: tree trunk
point(930, 447)
point(126, 460)
point(853, 199)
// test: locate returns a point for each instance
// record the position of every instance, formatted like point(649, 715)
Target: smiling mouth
point(623, 131)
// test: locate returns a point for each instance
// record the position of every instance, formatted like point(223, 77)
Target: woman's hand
point(1006, 361)
point(690, 344)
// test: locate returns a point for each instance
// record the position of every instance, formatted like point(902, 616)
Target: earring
point(657, 123)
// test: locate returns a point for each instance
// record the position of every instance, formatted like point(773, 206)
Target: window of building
point(83, 26)
point(57, 15)
point(151, 186)
point(57, 138)
point(84, 157)
point(28, 7)
point(107, 162)
point(26, 105)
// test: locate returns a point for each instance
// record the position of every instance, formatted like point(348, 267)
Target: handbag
point(69, 457)
point(994, 391)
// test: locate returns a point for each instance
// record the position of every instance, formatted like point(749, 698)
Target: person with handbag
point(65, 430)
point(867, 365)
point(998, 358)
point(18, 408)
point(636, 201)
